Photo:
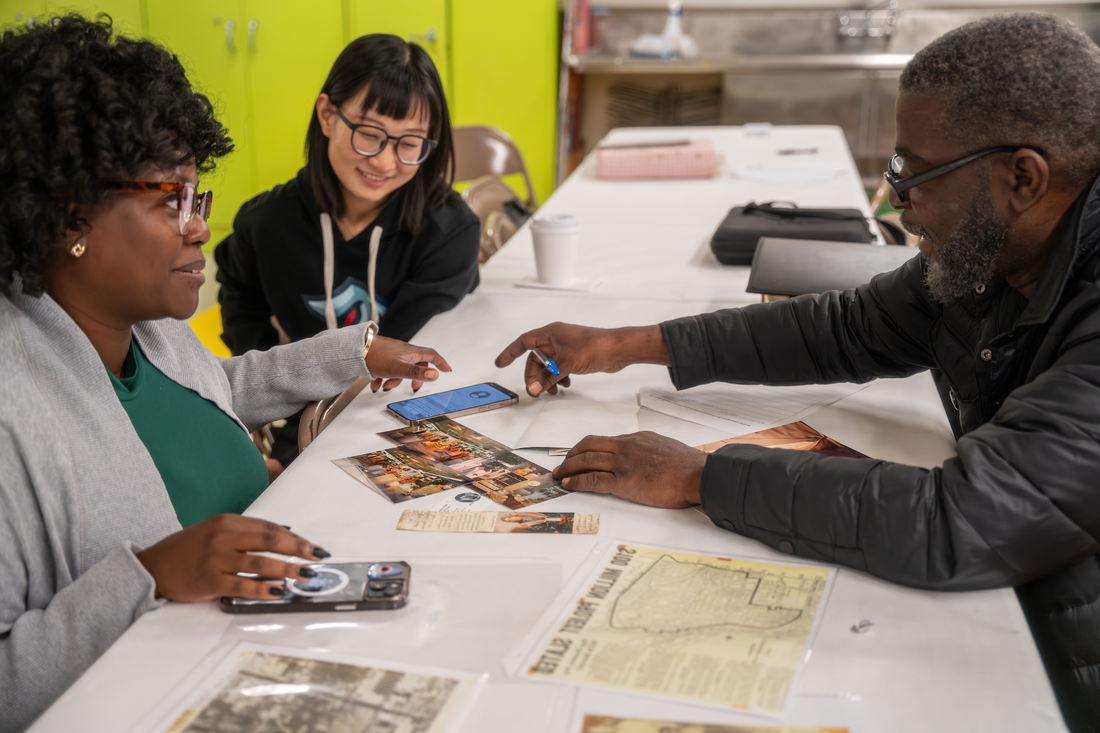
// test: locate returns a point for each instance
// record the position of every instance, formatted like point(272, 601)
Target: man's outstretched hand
point(583, 350)
point(645, 467)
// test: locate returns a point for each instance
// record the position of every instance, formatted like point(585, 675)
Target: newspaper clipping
point(609, 724)
point(713, 630)
point(501, 522)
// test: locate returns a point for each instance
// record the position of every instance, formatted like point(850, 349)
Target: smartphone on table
point(454, 402)
point(350, 586)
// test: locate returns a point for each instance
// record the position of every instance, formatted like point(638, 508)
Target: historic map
point(723, 631)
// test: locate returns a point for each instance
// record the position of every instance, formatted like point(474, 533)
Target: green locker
point(210, 39)
point(293, 47)
point(423, 22)
point(125, 14)
point(20, 12)
point(505, 68)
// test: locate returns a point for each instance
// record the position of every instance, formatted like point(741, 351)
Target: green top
point(209, 465)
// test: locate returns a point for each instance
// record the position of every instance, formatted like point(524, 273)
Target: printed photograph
point(280, 694)
point(514, 482)
point(400, 475)
point(445, 441)
point(792, 436)
point(535, 523)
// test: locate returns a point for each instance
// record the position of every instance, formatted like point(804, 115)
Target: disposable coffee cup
point(557, 237)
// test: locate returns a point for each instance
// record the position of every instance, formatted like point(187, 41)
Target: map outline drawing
point(748, 603)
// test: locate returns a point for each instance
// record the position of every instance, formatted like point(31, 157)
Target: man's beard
point(968, 257)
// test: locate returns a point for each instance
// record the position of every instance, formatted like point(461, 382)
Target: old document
point(713, 630)
point(254, 690)
point(611, 724)
point(501, 522)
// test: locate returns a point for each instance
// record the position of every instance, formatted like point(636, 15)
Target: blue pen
point(547, 362)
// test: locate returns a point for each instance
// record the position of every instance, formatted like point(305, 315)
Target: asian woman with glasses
point(124, 448)
point(369, 230)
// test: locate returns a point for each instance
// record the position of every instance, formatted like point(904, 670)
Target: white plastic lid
point(556, 224)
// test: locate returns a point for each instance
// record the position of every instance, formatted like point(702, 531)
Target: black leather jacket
point(1019, 505)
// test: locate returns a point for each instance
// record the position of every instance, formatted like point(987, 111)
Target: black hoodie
point(273, 264)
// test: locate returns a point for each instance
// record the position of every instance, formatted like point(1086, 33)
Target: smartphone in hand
point(352, 586)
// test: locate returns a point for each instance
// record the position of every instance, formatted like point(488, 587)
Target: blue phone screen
point(434, 405)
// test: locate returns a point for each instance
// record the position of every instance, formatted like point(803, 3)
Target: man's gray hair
point(1024, 78)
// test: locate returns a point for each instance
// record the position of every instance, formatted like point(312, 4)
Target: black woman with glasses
point(369, 230)
point(124, 449)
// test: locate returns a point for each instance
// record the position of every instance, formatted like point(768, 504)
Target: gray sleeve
point(269, 385)
point(48, 639)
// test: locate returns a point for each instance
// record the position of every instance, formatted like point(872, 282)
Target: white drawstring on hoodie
point(330, 269)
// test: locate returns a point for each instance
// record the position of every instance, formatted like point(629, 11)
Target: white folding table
point(930, 661)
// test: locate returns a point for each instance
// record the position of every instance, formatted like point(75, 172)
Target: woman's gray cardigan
point(79, 494)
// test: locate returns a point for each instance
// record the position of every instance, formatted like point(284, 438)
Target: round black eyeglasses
point(369, 141)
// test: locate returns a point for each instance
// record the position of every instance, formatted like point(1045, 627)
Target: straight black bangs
point(397, 94)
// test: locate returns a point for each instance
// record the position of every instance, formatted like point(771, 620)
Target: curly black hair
point(80, 105)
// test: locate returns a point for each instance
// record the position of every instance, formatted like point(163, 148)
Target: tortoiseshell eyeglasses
point(187, 201)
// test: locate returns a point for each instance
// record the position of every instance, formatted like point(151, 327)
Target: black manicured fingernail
point(285, 526)
point(307, 572)
point(321, 554)
point(416, 389)
point(275, 591)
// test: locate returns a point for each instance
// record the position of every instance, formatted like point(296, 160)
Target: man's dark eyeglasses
point(187, 201)
point(369, 140)
point(901, 185)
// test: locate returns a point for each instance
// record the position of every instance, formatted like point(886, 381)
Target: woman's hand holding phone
point(203, 561)
point(390, 361)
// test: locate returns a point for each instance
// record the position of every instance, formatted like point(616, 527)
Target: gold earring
point(77, 249)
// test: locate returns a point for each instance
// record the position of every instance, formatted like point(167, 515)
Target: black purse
point(734, 243)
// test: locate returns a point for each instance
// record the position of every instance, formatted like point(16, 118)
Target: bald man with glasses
point(998, 153)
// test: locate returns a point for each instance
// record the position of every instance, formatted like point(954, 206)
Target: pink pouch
point(697, 159)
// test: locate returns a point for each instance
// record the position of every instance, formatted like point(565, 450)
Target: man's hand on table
point(202, 561)
point(583, 350)
point(643, 467)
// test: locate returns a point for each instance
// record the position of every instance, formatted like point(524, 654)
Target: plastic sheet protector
point(562, 424)
point(717, 631)
point(264, 688)
point(744, 408)
point(611, 724)
point(501, 522)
